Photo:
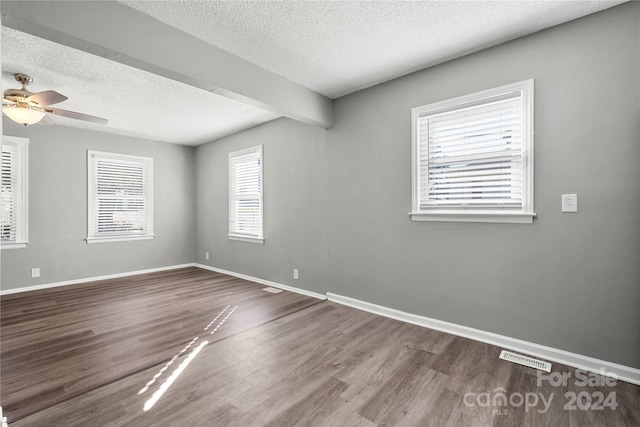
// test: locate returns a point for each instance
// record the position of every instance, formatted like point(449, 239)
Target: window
point(13, 229)
point(245, 195)
point(120, 197)
point(473, 157)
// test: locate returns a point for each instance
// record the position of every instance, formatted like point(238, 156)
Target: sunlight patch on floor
point(165, 385)
point(176, 373)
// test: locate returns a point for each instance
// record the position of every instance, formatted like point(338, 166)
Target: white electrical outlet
point(35, 272)
point(295, 274)
point(206, 255)
point(569, 203)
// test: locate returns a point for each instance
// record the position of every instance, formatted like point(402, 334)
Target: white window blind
point(473, 155)
point(245, 195)
point(13, 231)
point(120, 196)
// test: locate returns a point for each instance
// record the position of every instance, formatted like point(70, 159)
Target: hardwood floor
point(62, 342)
point(274, 362)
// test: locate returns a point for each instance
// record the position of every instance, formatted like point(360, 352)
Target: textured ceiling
point(135, 102)
point(332, 47)
point(338, 47)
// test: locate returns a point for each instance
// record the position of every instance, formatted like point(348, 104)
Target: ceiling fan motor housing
point(17, 93)
point(24, 79)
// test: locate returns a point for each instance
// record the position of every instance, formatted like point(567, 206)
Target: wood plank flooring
point(321, 364)
point(60, 343)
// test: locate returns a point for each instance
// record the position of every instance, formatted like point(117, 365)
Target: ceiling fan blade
point(48, 97)
point(46, 120)
point(77, 116)
point(8, 102)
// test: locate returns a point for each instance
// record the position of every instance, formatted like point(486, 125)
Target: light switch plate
point(569, 203)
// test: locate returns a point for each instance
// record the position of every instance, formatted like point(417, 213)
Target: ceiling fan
point(28, 108)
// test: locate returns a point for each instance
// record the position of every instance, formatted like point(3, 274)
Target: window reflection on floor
point(176, 373)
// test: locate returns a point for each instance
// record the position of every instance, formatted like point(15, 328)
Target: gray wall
point(58, 208)
point(570, 281)
point(295, 219)
point(336, 201)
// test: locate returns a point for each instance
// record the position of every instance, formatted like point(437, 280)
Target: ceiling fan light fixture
point(28, 108)
point(22, 115)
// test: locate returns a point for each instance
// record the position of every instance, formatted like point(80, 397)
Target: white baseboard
point(590, 364)
point(90, 279)
point(264, 282)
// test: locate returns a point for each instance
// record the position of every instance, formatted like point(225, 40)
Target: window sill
point(505, 218)
point(91, 240)
point(14, 246)
point(246, 239)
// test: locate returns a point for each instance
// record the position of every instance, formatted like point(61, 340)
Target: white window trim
point(149, 220)
point(524, 216)
point(246, 239)
point(242, 237)
point(23, 219)
point(102, 239)
point(13, 246)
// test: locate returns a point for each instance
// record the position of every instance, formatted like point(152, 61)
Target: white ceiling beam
point(118, 33)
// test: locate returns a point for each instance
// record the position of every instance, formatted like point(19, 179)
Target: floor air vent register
point(526, 361)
